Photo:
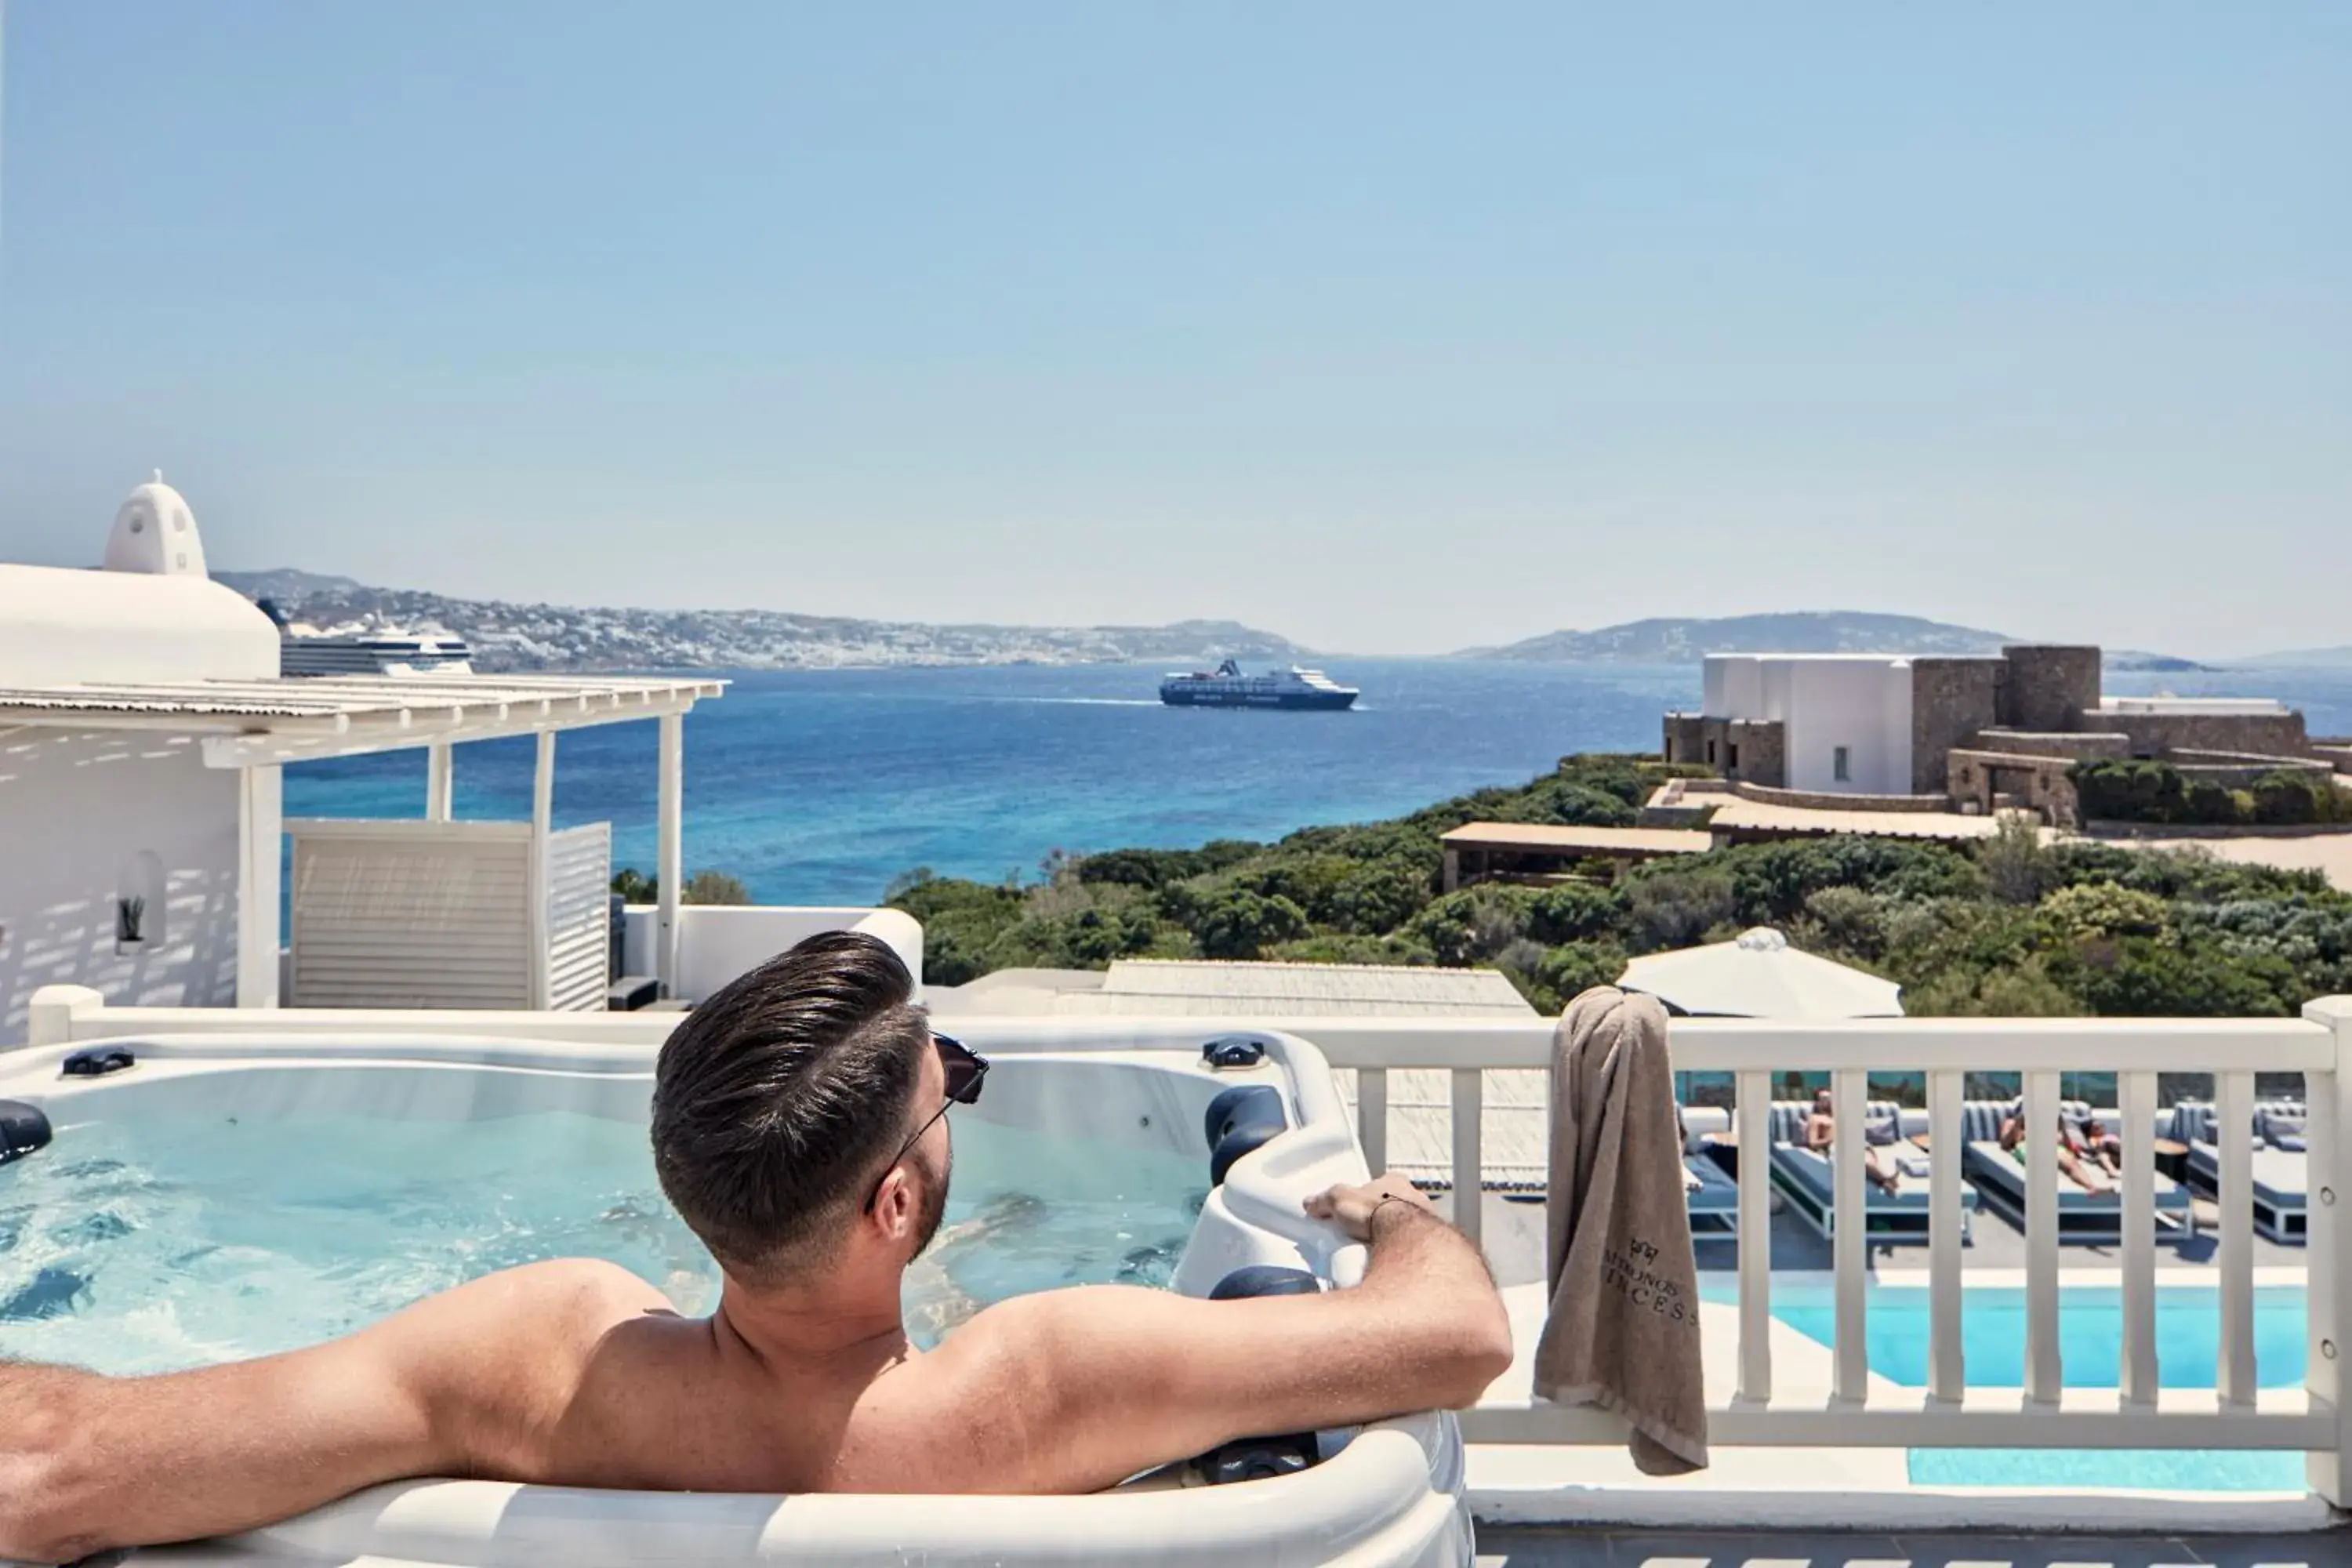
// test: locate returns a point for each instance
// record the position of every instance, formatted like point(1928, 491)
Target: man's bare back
point(577, 1373)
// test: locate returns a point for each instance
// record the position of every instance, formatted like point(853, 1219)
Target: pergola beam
point(244, 751)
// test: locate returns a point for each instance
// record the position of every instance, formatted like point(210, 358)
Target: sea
point(821, 786)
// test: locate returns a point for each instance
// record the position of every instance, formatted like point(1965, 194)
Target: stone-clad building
point(1967, 731)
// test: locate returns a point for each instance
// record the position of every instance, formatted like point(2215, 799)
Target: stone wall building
point(1967, 732)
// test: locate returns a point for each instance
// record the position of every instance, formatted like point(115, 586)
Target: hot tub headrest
point(96, 1062)
point(1232, 1051)
point(1259, 1458)
point(1265, 1279)
point(23, 1128)
point(1239, 1119)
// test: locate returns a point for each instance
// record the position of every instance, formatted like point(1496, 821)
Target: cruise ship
point(1227, 686)
point(302, 650)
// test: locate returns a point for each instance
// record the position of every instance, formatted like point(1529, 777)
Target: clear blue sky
point(1391, 327)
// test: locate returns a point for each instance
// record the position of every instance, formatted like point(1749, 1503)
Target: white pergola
point(258, 726)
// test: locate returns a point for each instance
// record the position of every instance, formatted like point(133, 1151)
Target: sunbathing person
point(1820, 1134)
point(2103, 1148)
point(2077, 1159)
point(799, 1127)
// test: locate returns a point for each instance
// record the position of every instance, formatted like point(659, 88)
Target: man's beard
point(933, 1197)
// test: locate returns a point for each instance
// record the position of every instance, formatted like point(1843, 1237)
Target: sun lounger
point(2085, 1219)
point(2281, 1168)
point(1806, 1178)
point(1713, 1203)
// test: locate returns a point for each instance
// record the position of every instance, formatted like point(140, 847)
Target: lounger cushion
point(1993, 1165)
point(2281, 1176)
point(1815, 1173)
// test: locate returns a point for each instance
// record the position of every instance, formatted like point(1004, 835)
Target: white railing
point(1854, 1410)
point(1951, 1412)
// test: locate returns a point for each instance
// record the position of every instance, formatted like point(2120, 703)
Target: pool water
point(2090, 1348)
point(150, 1244)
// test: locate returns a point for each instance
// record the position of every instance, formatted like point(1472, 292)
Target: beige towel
point(1623, 1329)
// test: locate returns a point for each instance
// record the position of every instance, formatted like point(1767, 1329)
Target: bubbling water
point(155, 1243)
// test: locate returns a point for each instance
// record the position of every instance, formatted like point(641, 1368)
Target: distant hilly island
point(1680, 640)
point(520, 637)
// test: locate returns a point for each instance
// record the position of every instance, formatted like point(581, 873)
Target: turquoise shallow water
point(146, 1245)
point(2090, 1341)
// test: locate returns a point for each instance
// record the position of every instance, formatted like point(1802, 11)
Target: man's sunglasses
point(965, 1070)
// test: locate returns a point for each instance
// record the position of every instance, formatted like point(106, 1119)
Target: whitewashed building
point(1844, 719)
point(144, 731)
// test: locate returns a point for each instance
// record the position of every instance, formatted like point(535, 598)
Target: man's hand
point(1351, 1209)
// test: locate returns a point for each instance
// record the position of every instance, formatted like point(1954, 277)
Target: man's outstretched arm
point(89, 1462)
point(1091, 1386)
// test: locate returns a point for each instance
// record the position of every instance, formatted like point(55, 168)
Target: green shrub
point(1333, 948)
point(1577, 967)
point(1772, 881)
point(1845, 921)
point(2143, 790)
point(2175, 874)
point(2144, 977)
point(2094, 909)
point(1156, 867)
point(1238, 923)
point(1475, 923)
point(2015, 865)
point(1677, 908)
point(2028, 991)
point(2135, 791)
point(1565, 803)
point(1572, 911)
point(714, 887)
point(703, 888)
point(2289, 795)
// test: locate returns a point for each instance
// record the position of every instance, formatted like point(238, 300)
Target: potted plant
point(130, 924)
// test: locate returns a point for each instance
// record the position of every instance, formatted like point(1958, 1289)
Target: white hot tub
point(1081, 1125)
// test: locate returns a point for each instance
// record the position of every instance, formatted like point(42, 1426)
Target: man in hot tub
point(800, 1125)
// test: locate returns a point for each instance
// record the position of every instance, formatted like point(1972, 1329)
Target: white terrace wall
point(89, 819)
point(716, 943)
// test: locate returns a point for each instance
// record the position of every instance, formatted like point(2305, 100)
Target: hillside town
point(516, 638)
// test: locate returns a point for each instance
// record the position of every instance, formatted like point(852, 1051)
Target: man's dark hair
point(778, 1098)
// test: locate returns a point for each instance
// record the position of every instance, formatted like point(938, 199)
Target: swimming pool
point(2090, 1344)
point(227, 1195)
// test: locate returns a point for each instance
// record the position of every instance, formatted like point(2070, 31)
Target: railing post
point(2139, 1376)
point(51, 1017)
point(2233, 1111)
point(1849, 1235)
point(2328, 1241)
point(1373, 1117)
point(669, 859)
point(2044, 1376)
point(1752, 1124)
point(1469, 1161)
point(1947, 1366)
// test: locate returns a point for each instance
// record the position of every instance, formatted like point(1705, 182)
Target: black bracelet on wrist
point(1391, 1199)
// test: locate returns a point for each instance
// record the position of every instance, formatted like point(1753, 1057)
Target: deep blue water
point(820, 787)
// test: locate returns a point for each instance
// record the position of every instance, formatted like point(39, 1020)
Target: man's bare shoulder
point(1035, 1319)
point(540, 1301)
